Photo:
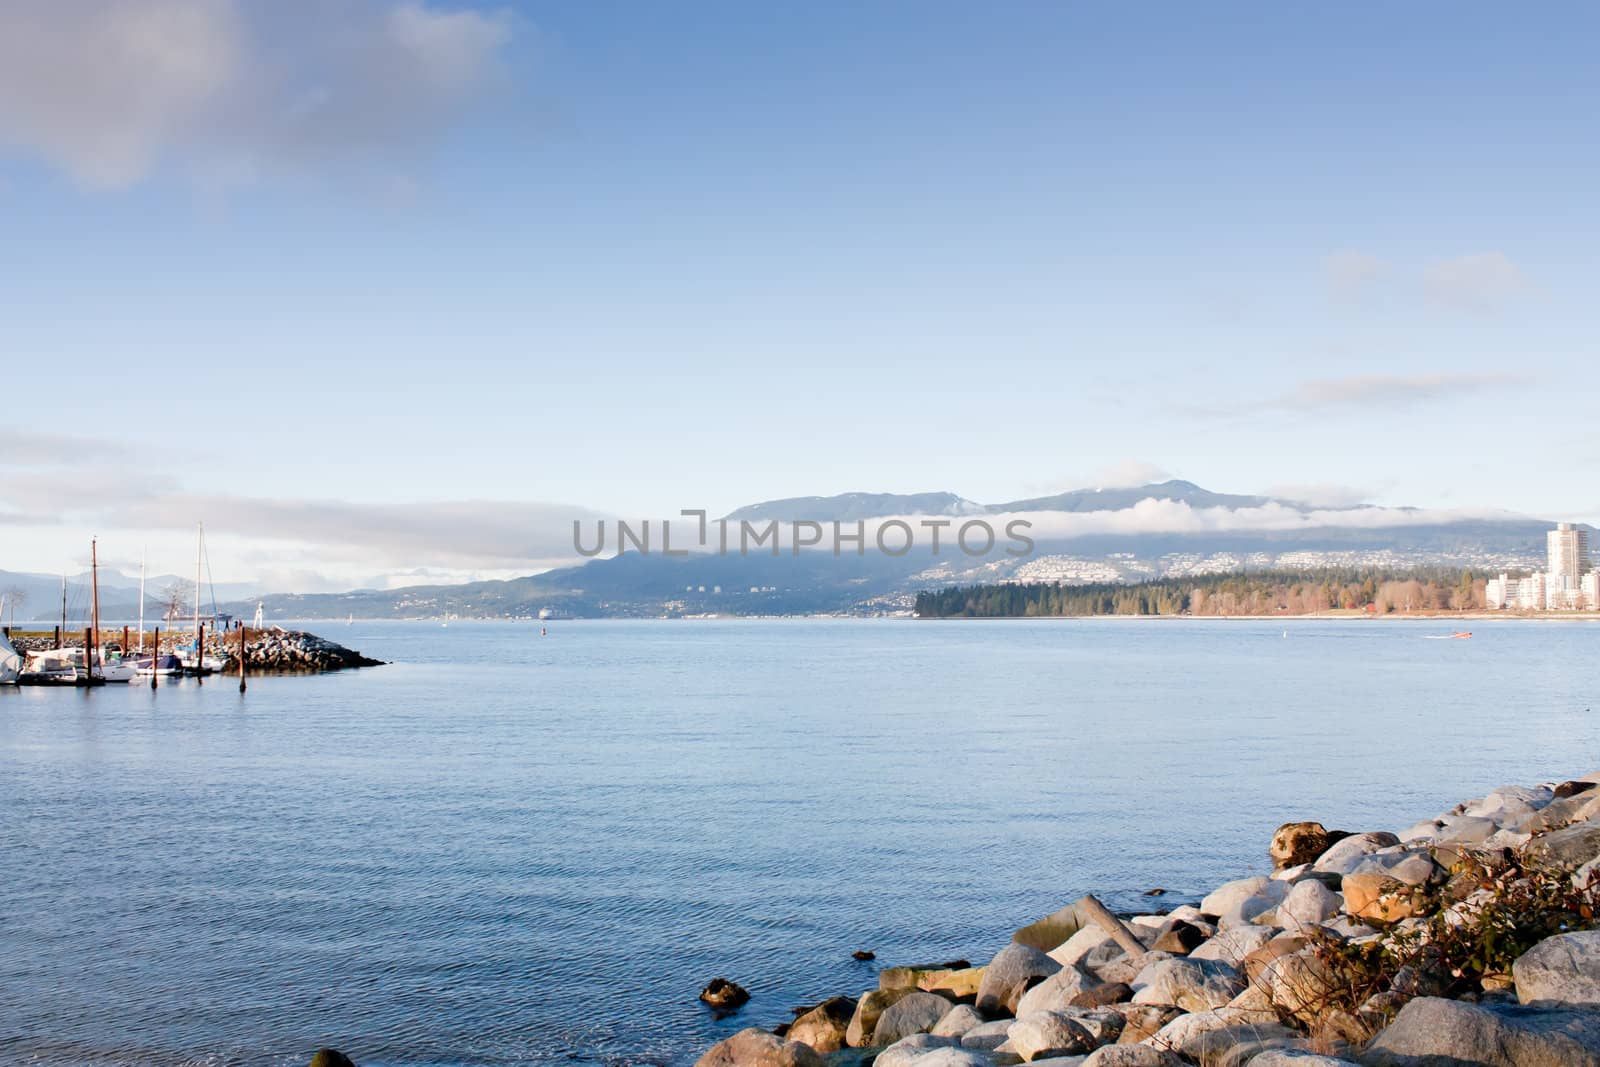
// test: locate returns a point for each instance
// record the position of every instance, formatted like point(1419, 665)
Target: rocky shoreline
point(1469, 940)
point(270, 651)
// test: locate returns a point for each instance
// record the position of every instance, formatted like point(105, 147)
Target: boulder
point(1465, 830)
point(1058, 992)
point(903, 1052)
point(1342, 857)
point(724, 996)
point(1012, 966)
point(988, 1036)
point(1261, 958)
point(1412, 868)
point(1380, 898)
point(1079, 945)
point(1300, 983)
point(1139, 1021)
point(1232, 946)
point(915, 1013)
point(911, 977)
point(1104, 1024)
point(1049, 1033)
point(865, 1021)
point(947, 1057)
point(825, 1026)
point(1102, 996)
point(1127, 968)
point(1054, 929)
point(331, 1057)
point(1295, 843)
point(1567, 848)
point(1433, 1031)
point(958, 1022)
point(1567, 811)
point(758, 1048)
point(1229, 896)
point(1564, 969)
point(1133, 1056)
point(1206, 1035)
point(1246, 1051)
point(956, 983)
point(1179, 938)
point(1309, 903)
point(1297, 1057)
point(1190, 984)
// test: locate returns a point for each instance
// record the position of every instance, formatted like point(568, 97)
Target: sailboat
point(99, 668)
point(195, 660)
point(10, 662)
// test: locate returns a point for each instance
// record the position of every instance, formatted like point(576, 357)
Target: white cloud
point(1323, 495)
point(1118, 474)
point(109, 90)
point(1385, 389)
point(1483, 282)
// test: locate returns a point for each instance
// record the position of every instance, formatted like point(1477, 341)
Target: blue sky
point(268, 261)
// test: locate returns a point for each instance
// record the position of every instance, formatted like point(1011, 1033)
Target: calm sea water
point(504, 849)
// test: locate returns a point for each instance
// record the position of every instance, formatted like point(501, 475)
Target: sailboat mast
point(94, 602)
point(199, 550)
point(61, 638)
point(141, 600)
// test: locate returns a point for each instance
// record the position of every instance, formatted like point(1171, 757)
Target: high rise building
point(1568, 551)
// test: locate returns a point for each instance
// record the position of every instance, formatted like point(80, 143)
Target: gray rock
point(904, 1051)
point(1133, 1056)
point(1232, 946)
point(1241, 901)
point(1142, 1020)
point(1343, 857)
point(872, 1004)
point(938, 1057)
point(1434, 1032)
point(1246, 1051)
point(1309, 903)
point(1060, 991)
point(988, 1036)
point(953, 1057)
point(826, 1026)
point(1564, 969)
point(1207, 1035)
point(914, 1013)
point(1190, 984)
point(1077, 947)
point(1013, 965)
point(958, 1022)
point(1290, 1057)
point(1412, 868)
point(759, 1048)
point(1575, 808)
point(1127, 968)
point(1049, 1033)
point(1568, 848)
point(1465, 830)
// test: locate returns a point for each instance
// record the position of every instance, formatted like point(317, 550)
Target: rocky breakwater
point(277, 651)
point(1469, 940)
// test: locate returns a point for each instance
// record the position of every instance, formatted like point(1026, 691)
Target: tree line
point(1376, 590)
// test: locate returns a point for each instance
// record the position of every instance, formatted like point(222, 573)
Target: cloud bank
point(109, 90)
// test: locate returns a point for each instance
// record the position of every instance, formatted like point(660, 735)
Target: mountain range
point(1083, 536)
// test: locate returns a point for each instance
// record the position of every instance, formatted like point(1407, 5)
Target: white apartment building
point(1566, 584)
